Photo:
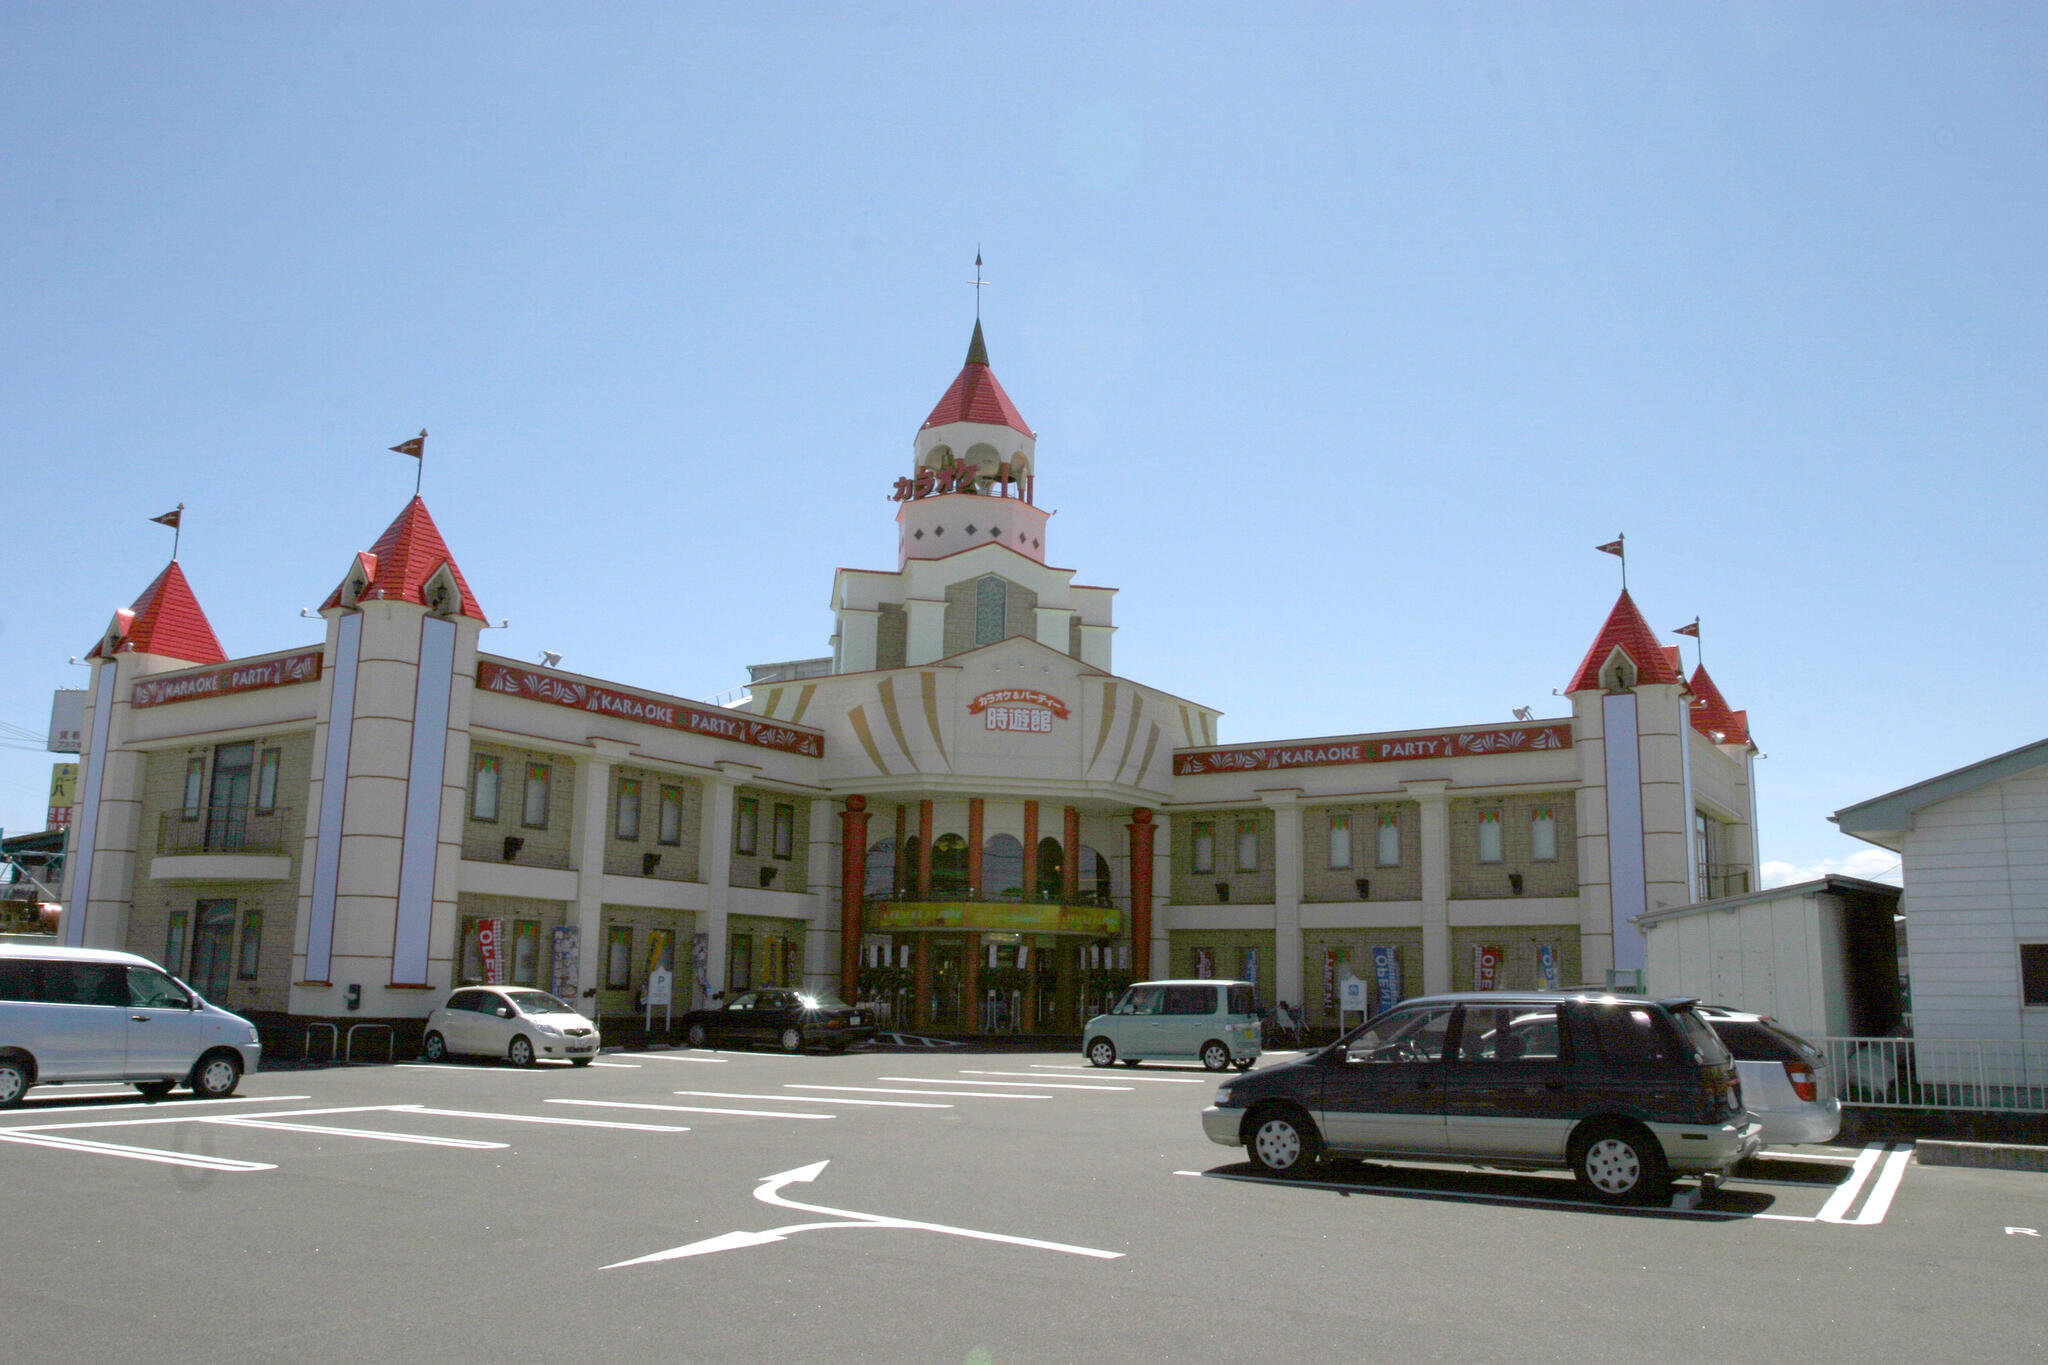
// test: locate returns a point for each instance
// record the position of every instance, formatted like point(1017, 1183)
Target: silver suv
point(1624, 1091)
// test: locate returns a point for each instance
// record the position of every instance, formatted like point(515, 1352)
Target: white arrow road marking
point(769, 1191)
point(2022, 1232)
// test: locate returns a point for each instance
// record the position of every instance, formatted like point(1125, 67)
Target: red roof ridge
point(405, 557)
point(976, 395)
point(167, 621)
point(1627, 631)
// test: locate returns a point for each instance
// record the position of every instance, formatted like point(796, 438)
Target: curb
point(1995, 1156)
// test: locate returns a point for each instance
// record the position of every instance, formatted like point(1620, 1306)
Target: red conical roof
point(1628, 631)
point(404, 558)
point(1710, 712)
point(167, 621)
point(976, 396)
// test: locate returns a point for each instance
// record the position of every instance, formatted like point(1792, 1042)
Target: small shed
point(1822, 956)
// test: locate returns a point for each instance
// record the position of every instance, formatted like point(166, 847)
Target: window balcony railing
point(265, 832)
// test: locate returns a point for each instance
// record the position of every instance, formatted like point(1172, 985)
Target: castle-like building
point(965, 814)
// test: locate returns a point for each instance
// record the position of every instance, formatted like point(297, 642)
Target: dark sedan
point(790, 1020)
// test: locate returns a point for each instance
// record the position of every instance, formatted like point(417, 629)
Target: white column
point(821, 878)
point(927, 630)
point(858, 628)
point(1052, 627)
point(588, 819)
point(1287, 969)
point(1435, 806)
point(714, 862)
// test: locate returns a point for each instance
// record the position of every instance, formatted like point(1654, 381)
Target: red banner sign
point(1486, 963)
point(228, 679)
point(490, 944)
point(1018, 696)
point(736, 726)
point(1325, 753)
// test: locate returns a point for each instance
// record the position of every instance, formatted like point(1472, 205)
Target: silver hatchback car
point(1786, 1084)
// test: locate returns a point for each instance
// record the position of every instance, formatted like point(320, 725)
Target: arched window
point(1051, 863)
point(1002, 867)
point(1093, 878)
point(906, 867)
point(991, 608)
point(949, 866)
point(881, 879)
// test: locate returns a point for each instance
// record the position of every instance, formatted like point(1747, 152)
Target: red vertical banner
point(1141, 831)
point(853, 876)
point(490, 942)
point(1486, 962)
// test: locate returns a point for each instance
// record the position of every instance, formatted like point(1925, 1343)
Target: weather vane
point(977, 282)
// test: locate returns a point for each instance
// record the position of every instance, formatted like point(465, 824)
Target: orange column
point(903, 869)
point(1030, 851)
point(921, 1002)
point(1070, 857)
point(1141, 832)
point(853, 871)
point(924, 850)
point(974, 821)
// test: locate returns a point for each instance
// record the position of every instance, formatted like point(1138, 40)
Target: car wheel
point(1620, 1163)
point(521, 1051)
point(1102, 1052)
point(13, 1083)
point(1215, 1056)
point(436, 1048)
point(216, 1076)
point(154, 1090)
point(792, 1040)
point(579, 1061)
point(698, 1035)
point(1282, 1142)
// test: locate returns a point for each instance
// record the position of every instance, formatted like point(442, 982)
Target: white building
point(966, 813)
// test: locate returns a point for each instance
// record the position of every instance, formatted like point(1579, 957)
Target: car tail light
point(1801, 1076)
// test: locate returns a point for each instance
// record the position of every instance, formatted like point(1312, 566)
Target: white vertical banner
point(79, 888)
point(420, 849)
point(1625, 867)
point(341, 714)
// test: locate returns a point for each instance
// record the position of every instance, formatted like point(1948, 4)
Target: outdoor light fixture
point(648, 862)
point(550, 658)
point(1364, 885)
point(767, 875)
point(1515, 882)
point(513, 843)
point(1222, 891)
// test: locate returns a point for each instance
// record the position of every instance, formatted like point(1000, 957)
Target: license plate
point(853, 1019)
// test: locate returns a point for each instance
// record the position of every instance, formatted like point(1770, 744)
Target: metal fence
point(1988, 1076)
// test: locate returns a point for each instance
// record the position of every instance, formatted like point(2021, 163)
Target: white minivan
point(1213, 1022)
point(92, 1014)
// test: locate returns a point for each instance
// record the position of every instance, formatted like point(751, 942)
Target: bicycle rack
point(333, 1039)
point(348, 1053)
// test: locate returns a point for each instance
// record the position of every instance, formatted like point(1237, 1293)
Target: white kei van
point(92, 1014)
point(1214, 1022)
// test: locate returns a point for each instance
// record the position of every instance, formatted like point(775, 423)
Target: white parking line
point(532, 1118)
point(883, 1090)
point(1155, 1080)
point(373, 1133)
point(1893, 1170)
point(82, 1145)
point(695, 1109)
point(676, 1057)
point(1020, 1085)
point(622, 1066)
point(808, 1099)
point(137, 1105)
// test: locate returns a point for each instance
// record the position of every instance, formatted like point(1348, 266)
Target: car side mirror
point(504, 1011)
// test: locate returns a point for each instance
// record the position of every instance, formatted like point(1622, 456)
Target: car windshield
point(1701, 1038)
point(818, 1000)
point(539, 1002)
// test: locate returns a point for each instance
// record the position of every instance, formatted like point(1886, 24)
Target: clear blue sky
point(1348, 331)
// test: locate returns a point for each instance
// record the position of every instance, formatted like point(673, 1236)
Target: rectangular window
point(1203, 845)
point(746, 835)
point(1340, 840)
point(174, 942)
point(740, 968)
point(2034, 973)
point(618, 957)
point(535, 813)
point(1489, 836)
point(249, 954)
point(1248, 846)
point(470, 964)
point(526, 952)
point(1388, 837)
point(1703, 852)
point(1543, 834)
point(483, 789)
point(626, 816)
point(266, 779)
point(195, 786)
point(671, 815)
point(785, 831)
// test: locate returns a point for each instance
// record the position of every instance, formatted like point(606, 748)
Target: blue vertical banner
point(567, 955)
point(1251, 966)
point(1386, 976)
point(1546, 965)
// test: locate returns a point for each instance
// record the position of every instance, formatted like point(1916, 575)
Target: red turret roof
point(404, 558)
point(1710, 713)
point(167, 621)
point(976, 396)
point(1628, 631)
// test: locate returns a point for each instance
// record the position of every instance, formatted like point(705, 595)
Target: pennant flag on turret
point(171, 518)
point(416, 447)
point(1692, 630)
point(1613, 547)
